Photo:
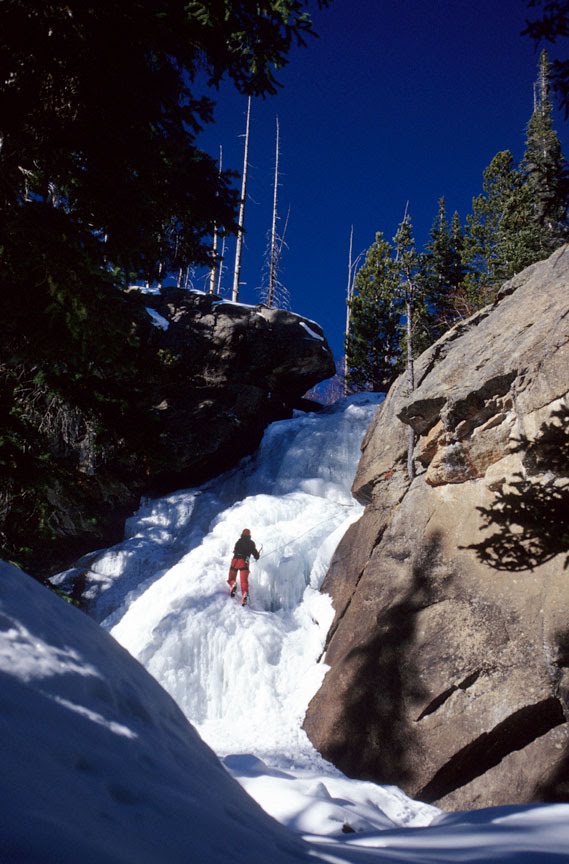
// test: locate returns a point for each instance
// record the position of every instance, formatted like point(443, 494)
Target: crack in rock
point(489, 749)
point(443, 697)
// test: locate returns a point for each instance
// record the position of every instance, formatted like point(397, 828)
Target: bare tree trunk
point(220, 268)
point(216, 262)
point(241, 220)
point(410, 378)
point(273, 249)
point(349, 295)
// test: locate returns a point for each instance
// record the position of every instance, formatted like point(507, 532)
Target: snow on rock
point(157, 319)
point(312, 333)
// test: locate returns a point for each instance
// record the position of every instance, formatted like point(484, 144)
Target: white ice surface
point(163, 593)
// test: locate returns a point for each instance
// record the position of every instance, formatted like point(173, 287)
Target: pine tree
point(103, 181)
point(545, 170)
point(373, 341)
point(75, 132)
point(521, 215)
point(498, 232)
point(444, 268)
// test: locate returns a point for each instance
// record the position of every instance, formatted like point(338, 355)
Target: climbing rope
point(288, 542)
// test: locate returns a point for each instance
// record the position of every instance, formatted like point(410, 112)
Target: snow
point(157, 319)
point(312, 333)
point(101, 765)
point(234, 303)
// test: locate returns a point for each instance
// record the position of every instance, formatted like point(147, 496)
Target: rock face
point(232, 370)
point(449, 651)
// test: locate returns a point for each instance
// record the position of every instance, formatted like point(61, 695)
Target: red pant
point(241, 566)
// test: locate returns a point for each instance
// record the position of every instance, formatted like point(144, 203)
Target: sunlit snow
point(312, 333)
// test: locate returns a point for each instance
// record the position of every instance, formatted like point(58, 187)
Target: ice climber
point(243, 550)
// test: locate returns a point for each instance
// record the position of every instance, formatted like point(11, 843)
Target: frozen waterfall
point(243, 676)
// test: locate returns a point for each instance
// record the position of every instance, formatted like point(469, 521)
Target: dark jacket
point(244, 548)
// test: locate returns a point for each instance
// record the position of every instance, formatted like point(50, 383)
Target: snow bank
point(99, 766)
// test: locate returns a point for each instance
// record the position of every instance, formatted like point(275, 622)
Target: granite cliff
point(449, 651)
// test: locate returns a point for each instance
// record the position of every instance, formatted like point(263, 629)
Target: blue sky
point(398, 100)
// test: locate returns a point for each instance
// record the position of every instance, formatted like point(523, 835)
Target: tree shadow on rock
point(379, 737)
point(530, 514)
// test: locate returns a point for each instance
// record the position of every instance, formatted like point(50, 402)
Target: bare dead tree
point(221, 267)
point(407, 260)
point(352, 270)
point(273, 250)
point(274, 292)
point(216, 265)
point(241, 219)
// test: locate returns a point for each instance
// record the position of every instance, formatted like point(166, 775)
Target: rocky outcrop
point(199, 381)
point(449, 651)
point(232, 369)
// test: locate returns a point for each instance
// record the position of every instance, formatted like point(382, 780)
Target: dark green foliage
point(373, 343)
point(444, 270)
point(405, 300)
point(99, 116)
point(390, 320)
point(546, 171)
point(498, 231)
point(521, 215)
point(70, 371)
point(101, 180)
point(248, 39)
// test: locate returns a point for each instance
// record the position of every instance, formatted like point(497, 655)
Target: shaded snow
point(99, 766)
point(157, 319)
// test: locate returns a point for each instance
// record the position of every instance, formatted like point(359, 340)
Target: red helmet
point(245, 533)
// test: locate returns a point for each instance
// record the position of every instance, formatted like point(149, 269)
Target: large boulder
point(232, 369)
point(449, 651)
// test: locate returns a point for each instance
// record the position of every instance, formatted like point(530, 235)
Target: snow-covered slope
point(98, 764)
